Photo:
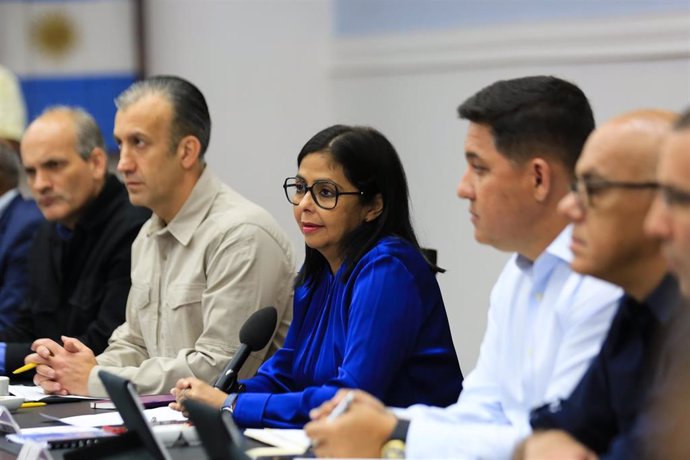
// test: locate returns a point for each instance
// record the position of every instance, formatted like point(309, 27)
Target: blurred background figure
point(12, 109)
point(12, 119)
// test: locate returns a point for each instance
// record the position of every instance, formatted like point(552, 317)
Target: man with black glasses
point(614, 189)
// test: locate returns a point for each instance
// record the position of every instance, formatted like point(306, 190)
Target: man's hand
point(199, 390)
point(360, 432)
point(62, 369)
point(552, 445)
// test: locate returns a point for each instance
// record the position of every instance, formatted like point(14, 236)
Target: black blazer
point(79, 287)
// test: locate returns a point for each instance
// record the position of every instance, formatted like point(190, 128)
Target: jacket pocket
point(139, 301)
point(140, 296)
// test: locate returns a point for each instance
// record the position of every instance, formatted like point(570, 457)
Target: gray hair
point(190, 112)
point(88, 134)
point(9, 165)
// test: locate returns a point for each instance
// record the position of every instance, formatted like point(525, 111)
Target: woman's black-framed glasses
point(324, 192)
point(585, 188)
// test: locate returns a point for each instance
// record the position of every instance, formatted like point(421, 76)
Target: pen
point(26, 405)
point(24, 368)
point(342, 406)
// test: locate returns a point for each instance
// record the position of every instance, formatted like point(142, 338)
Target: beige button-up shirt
point(194, 283)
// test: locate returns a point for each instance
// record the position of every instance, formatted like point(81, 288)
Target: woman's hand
point(196, 389)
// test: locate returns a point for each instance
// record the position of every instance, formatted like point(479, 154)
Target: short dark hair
point(683, 122)
point(533, 116)
point(372, 165)
point(190, 111)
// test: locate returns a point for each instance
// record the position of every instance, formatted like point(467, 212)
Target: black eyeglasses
point(324, 192)
point(673, 196)
point(586, 189)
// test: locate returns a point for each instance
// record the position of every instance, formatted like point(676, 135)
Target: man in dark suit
point(19, 219)
point(79, 261)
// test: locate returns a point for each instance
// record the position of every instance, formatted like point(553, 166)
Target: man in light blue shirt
point(545, 322)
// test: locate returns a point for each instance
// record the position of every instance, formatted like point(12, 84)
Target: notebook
point(148, 401)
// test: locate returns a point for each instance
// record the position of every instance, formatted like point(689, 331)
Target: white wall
point(385, 17)
point(273, 76)
point(410, 86)
point(263, 67)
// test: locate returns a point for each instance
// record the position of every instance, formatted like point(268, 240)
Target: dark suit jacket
point(18, 224)
point(78, 287)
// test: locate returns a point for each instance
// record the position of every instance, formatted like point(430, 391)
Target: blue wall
point(380, 17)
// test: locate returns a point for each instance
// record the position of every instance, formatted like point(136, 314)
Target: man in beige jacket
point(205, 261)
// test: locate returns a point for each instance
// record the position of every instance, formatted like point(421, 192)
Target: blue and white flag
point(71, 52)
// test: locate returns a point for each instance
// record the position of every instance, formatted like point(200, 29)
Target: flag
point(71, 52)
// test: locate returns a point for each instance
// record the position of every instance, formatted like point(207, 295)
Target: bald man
point(79, 261)
point(613, 191)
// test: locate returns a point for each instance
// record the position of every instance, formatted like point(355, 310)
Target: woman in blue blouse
point(368, 312)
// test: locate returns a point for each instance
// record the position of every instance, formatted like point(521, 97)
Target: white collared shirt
point(6, 198)
point(545, 324)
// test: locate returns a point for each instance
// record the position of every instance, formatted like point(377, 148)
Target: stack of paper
point(155, 416)
point(36, 393)
point(284, 442)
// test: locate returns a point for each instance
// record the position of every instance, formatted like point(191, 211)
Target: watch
point(230, 402)
point(395, 446)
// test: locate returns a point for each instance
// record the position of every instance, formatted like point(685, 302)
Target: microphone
point(254, 335)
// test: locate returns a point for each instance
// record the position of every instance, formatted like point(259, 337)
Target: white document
point(154, 416)
point(36, 393)
point(293, 440)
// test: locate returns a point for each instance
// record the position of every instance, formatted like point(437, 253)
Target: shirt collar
point(193, 211)
point(557, 250)
point(662, 302)
point(6, 198)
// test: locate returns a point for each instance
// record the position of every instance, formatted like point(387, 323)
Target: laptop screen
point(123, 394)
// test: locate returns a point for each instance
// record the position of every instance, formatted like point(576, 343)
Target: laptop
point(219, 435)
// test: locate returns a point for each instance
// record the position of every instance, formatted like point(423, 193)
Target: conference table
point(31, 417)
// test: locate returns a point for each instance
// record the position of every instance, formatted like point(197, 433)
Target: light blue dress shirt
point(545, 324)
